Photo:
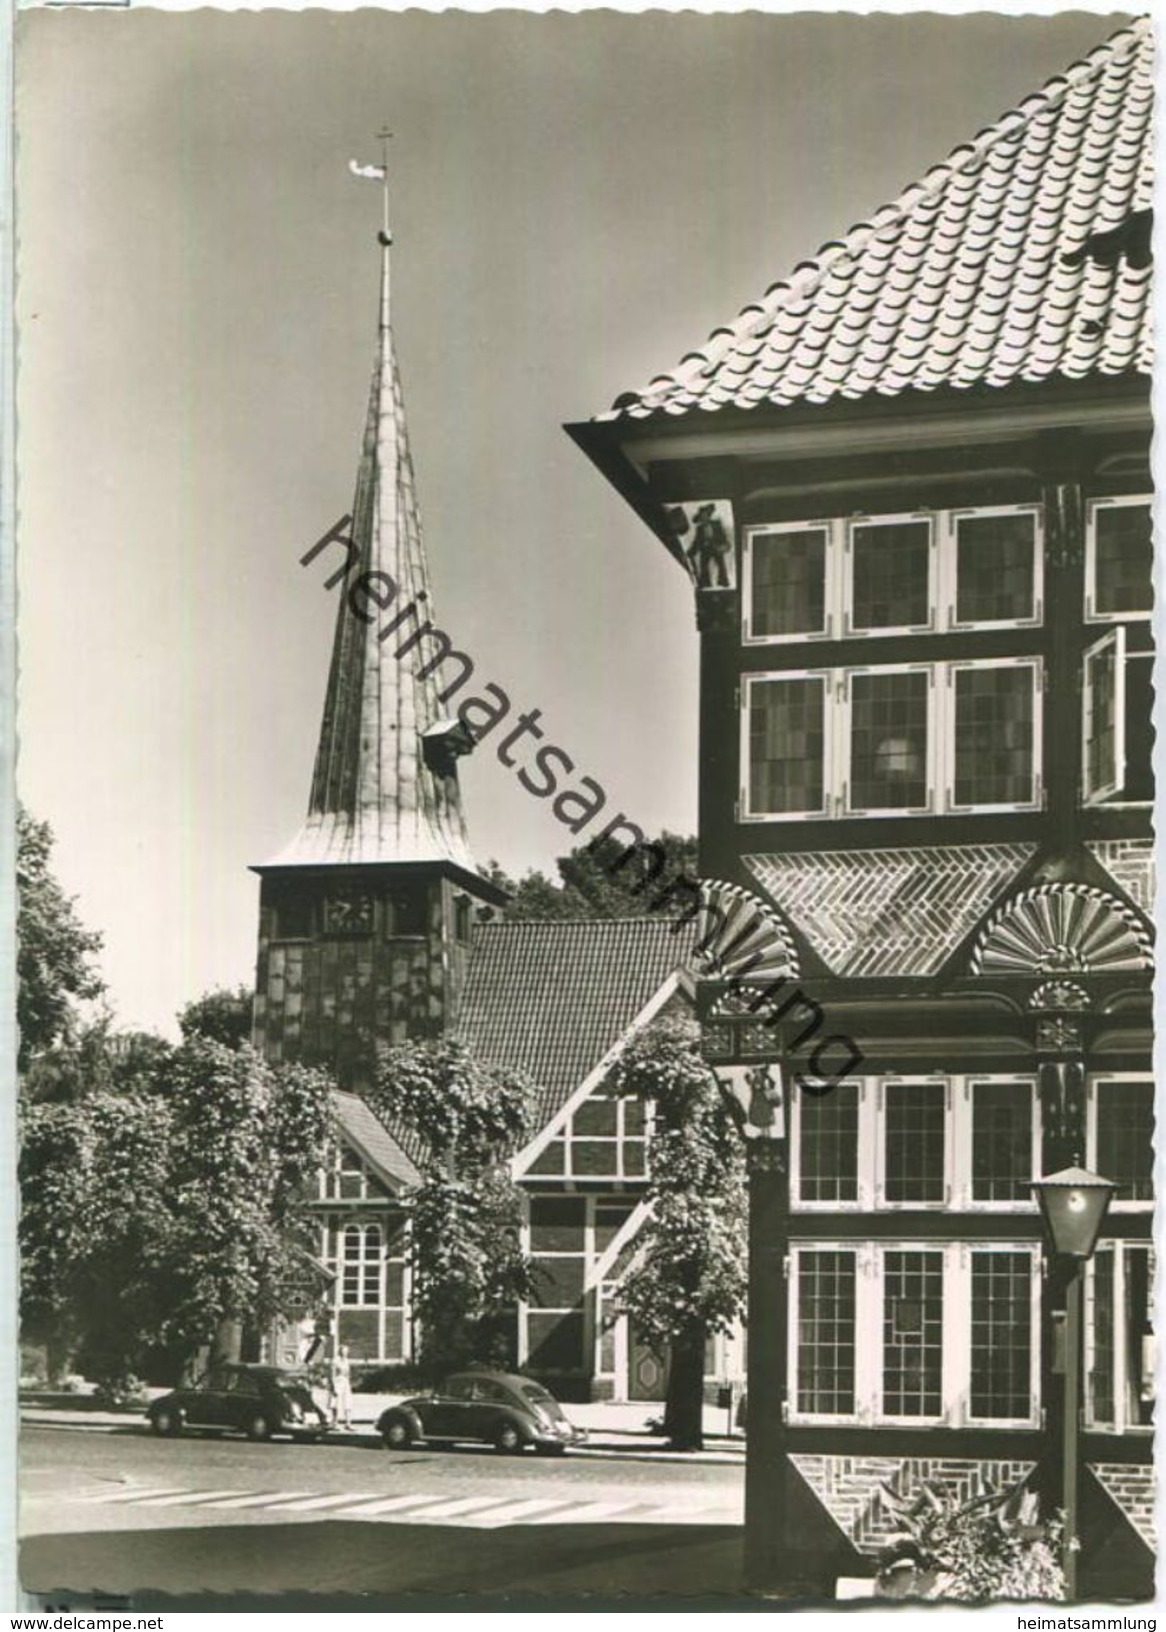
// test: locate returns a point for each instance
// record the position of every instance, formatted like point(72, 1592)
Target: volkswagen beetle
point(495, 1407)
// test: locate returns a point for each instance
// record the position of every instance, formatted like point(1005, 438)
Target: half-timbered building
point(911, 484)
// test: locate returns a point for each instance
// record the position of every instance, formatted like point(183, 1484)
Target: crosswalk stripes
point(436, 1507)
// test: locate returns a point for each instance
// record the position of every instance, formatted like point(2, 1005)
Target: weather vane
point(378, 172)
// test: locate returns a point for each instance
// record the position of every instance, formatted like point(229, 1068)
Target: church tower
point(364, 919)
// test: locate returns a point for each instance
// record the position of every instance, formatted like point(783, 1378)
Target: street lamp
point(1073, 1204)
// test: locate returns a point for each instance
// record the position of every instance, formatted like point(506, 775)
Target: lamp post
point(1073, 1204)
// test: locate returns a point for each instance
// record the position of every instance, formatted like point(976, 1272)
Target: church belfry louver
point(364, 921)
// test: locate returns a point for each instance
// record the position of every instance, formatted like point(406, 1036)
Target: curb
point(621, 1447)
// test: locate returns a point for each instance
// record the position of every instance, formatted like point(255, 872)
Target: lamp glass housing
point(1073, 1204)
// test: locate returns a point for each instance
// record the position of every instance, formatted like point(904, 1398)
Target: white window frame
point(1120, 1250)
point(948, 738)
point(963, 1127)
point(849, 627)
point(968, 1251)
point(932, 772)
point(949, 567)
point(942, 573)
point(893, 1080)
point(1093, 509)
point(364, 1261)
point(1114, 640)
point(1094, 1081)
point(830, 585)
point(836, 753)
point(864, 1199)
point(958, 1127)
point(829, 746)
point(956, 1358)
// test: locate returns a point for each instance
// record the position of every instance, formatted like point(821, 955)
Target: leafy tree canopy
point(602, 881)
point(222, 1015)
point(154, 1214)
point(54, 951)
point(689, 1279)
point(468, 1267)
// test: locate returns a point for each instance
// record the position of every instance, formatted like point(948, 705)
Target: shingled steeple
point(375, 796)
point(364, 920)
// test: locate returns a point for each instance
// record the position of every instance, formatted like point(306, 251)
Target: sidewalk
point(613, 1429)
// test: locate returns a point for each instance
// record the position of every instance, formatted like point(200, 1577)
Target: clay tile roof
point(372, 1141)
point(552, 998)
point(975, 275)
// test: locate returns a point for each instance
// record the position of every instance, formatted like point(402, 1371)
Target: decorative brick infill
point(850, 1488)
point(729, 950)
point(1130, 1486)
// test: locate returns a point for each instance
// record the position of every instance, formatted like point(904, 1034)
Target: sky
point(577, 201)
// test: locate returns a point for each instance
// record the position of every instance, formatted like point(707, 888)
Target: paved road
point(125, 1512)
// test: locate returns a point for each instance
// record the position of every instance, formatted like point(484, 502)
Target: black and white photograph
point(584, 811)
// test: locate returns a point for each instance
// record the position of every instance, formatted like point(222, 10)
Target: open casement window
point(1120, 1352)
point(1119, 551)
point(1103, 740)
point(948, 1333)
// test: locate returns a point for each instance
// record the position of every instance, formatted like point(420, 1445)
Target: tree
point(223, 1015)
point(54, 950)
point(688, 1279)
point(93, 1059)
point(603, 881)
point(167, 1213)
point(465, 1244)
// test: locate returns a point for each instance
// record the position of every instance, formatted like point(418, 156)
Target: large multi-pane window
point(868, 576)
point(1002, 1337)
point(964, 1142)
point(995, 715)
point(828, 1170)
point(894, 739)
point(924, 1332)
point(1002, 1140)
point(914, 1138)
point(1119, 554)
point(891, 570)
point(787, 744)
point(1121, 1135)
point(602, 1139)
point(825, 1333)
point(1120, 1354)
point(889, 729)
point(361, 1261)
point(788, 581)
point(912, 1369)
point(996, 567)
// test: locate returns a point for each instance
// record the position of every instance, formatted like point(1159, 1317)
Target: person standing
point(342, 1388)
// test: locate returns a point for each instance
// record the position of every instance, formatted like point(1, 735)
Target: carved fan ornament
point(739, 937)
point(1062, 929)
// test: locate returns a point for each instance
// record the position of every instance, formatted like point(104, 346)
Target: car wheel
point(259, 1426)
point(397, 1435)
point(507, 1439)
point(167, 1423)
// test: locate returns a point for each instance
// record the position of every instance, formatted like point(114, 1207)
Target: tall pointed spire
point(374, 797)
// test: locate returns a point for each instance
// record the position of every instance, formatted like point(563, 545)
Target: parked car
point(256, 1400)
point(507, 1412)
